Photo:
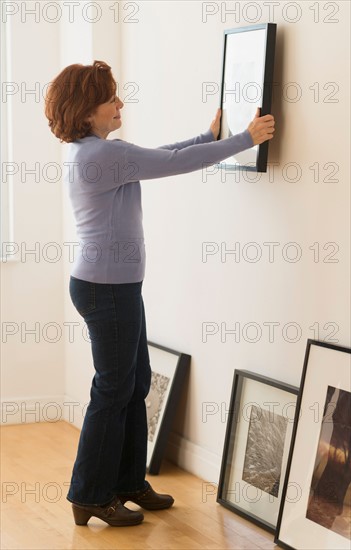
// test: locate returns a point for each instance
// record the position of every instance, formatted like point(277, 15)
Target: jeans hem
point(146, 486)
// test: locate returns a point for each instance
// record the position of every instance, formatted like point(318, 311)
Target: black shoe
point(113, 513)
point(148, 499)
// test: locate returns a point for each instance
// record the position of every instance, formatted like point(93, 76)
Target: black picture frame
point(242, 487)
point(251, 51)
point(169, 370)
point(325, 388)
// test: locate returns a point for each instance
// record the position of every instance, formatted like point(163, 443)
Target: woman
point(103, 178)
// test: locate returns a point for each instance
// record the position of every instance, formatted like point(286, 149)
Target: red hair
point(74, 95)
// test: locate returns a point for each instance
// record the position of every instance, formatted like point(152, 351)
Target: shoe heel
point(81, 517)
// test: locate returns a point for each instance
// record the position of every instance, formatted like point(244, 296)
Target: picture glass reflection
point(242, 87)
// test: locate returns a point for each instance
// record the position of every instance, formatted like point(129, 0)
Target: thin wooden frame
point(244, 486)
point(169, 369)
point(258, 66)
point(326, 378)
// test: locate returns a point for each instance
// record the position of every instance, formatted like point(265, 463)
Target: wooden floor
point(36, 466)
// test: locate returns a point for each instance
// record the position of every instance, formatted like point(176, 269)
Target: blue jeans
point(112, 449)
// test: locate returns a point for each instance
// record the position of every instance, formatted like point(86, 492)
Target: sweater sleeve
point(141, 163)
point(205, 137)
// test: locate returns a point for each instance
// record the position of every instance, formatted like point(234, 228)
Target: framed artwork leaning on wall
point(315, 509)
point(256, 447)
point(169, 369)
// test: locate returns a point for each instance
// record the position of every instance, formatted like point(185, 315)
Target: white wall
point(167, 54)
point(170, 53)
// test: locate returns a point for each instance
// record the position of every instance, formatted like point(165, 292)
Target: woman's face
point(107, 117)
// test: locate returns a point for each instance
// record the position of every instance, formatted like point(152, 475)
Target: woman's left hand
point(216, 123)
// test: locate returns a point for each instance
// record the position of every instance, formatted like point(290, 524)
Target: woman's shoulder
point(92, 142)
point(94, 149)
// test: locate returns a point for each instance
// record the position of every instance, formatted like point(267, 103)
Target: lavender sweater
point(103, 178)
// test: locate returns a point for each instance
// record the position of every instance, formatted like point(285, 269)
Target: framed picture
point(169, 369)
point(247, 83)
point(256, 447)
point(316, 502)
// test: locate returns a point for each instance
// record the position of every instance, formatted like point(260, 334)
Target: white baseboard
point(19, 410)
point(193, 458)
point(50, 408)
point(187, 455)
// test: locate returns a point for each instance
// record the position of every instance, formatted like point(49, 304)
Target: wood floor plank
point(36, 467)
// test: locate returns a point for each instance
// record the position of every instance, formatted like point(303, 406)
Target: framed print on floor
point(247, 83)
point(169, 369)
point(256, 447)
point(315, 510)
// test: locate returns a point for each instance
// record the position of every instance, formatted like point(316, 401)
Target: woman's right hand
point(261, 128)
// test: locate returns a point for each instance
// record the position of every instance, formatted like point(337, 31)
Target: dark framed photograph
point(169, 369)
point(247, 83)
point(256, 447)
point(315, 509)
